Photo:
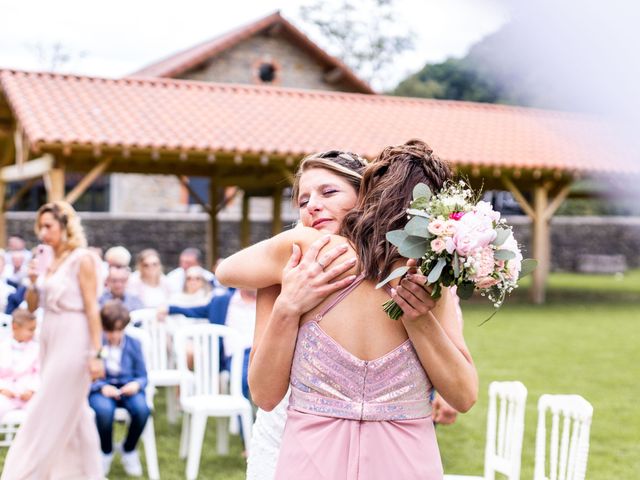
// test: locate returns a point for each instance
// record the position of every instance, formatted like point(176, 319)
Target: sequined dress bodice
point(328, 380)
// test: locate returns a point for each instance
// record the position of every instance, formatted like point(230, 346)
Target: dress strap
point(346, 291)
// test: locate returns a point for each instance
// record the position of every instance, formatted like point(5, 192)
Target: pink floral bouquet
point(461, 242)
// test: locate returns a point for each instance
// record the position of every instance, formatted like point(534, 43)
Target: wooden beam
point(227, 198)
point(245, 226)
point(526, 207)
point(541, 243)
point(212, 227)
point(276, 220)
point(185, 183)
point(19, 194)
point(557, 201)
point(9, 154)
point(87, 181)
point(20, 145)
point(27, 170)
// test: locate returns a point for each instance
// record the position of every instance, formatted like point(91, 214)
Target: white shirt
point(113, 359)
point(241, 317)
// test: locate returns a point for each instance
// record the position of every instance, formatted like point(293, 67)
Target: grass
point(585, 340)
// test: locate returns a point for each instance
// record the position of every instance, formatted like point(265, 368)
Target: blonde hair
point(68, 219)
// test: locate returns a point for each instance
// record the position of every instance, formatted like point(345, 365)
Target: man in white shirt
point(190, 257)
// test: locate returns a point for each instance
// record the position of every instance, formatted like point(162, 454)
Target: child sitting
point(19, 363)
point(123, 386)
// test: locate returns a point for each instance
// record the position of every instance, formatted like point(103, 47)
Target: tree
point(368, 43)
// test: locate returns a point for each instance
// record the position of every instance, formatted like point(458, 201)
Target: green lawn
point(585, 340)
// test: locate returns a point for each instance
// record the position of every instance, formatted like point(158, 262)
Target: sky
point(114, 38)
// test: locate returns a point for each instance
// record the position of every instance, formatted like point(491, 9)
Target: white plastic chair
point(200, 392)
point(121, 415)
point(161, 368)
point(9, 425)
point(505, 429)
point(568, 440)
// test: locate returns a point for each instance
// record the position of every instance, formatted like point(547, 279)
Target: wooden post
point(541, 243)
point(212, 230)
point(54, 183)
point(245, 226)
point(276, 221)
point(87, 181)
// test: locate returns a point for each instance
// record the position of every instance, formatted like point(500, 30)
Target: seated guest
point(190, 257)
point(16, 243)
point(5, 288)
point(118, 257)
point(148, 282)
point(16, 269)
point(123, 386)
point(116, 289)
point(19, 363)
point(196, 289)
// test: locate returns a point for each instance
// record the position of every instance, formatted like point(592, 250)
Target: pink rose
point(436, 227)
point(437, 245)
point(450, 227)
point(456, 215)
point(486, 282)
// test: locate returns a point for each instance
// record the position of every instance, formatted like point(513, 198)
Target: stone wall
point(295, 68)
point(571, 236)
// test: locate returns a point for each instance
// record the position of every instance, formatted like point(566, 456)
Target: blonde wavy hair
point(66, 216)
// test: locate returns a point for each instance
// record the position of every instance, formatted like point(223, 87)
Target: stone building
point(269, 51)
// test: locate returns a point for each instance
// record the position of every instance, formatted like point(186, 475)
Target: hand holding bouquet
point(462, 242)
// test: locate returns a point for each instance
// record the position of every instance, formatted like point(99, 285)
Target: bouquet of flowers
point(461, 242)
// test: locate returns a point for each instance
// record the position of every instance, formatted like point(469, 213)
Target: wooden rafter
point(19, 194)
point(524, 204)
point(87, 181)
point(185, 183)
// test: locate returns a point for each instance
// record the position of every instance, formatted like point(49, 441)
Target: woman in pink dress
point(360, 382)
point(59, 438)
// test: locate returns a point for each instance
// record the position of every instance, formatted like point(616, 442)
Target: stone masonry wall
point(571, 236)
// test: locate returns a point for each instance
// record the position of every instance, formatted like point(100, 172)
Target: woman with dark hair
point(360, 382)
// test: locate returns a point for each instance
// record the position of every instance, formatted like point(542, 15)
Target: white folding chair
point(121, 415)
point(200, 393)
point(505, 429)
point(568, 446)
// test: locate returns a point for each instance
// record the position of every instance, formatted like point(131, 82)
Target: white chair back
point(505, 429)
point(205, 343)
point(568, 447)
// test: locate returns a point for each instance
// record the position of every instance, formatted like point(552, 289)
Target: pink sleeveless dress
point(352, 419)
point(59, 439)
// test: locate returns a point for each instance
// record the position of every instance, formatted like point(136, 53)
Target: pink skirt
point(317, 448)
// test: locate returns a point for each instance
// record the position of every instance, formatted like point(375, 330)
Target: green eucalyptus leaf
point(501, 237)
point(417, 227)
point(413, 247)
point(465, 290)
point(436, 271)
point(398, 272)
point(504, 255)
point(421, 190)
point(528, 266)
point(396, 237)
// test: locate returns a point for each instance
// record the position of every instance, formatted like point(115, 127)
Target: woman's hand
point(310, 278)
point(412, 294)
point(110, 391)
point(96, 368)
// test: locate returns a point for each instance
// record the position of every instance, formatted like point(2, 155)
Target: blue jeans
point(105, 408)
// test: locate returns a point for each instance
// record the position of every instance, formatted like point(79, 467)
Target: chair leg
point(247, 425)
point(222, 437)
point(196, 437)
point(172, 405)
point(184, 435)
point(150, 450)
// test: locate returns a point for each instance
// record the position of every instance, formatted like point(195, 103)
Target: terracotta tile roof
point(178, 115)
point(177, 64)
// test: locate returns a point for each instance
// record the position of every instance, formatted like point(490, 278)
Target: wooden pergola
point(253, 137)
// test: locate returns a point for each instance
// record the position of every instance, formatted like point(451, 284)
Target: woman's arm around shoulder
point(261, 265)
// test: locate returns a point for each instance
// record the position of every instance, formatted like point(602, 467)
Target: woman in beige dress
point(58, 439)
